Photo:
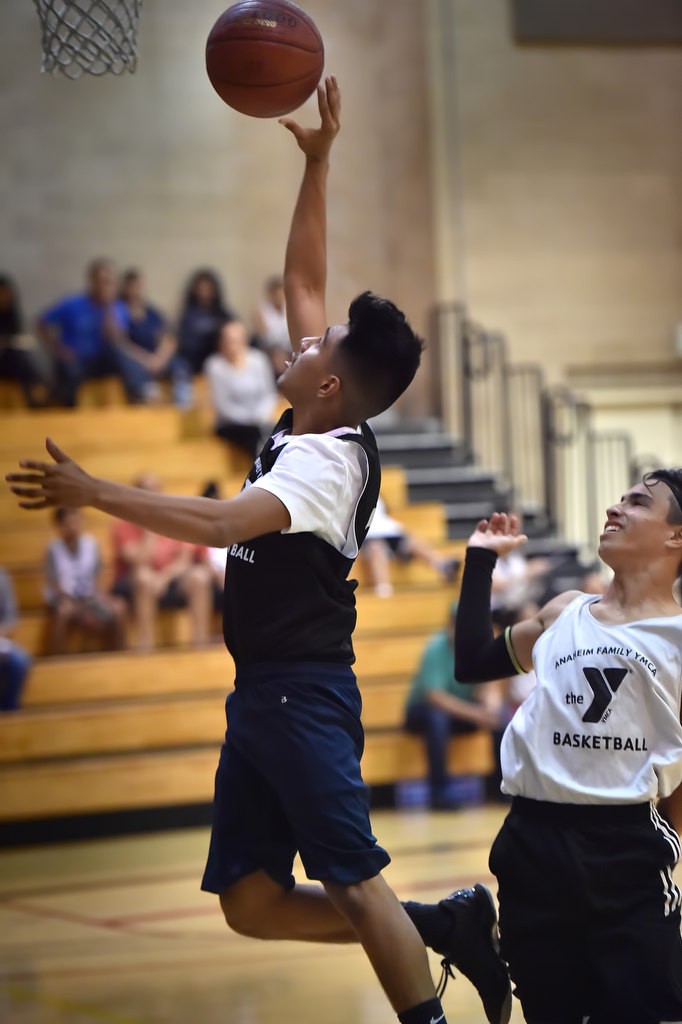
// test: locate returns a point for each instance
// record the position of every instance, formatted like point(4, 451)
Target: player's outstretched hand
point(61, 482)
point(316, 142)
point(500, 533)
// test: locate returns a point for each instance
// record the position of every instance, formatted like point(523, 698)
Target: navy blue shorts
point(289, 779)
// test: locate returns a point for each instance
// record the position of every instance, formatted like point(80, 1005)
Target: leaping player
point(289, 774)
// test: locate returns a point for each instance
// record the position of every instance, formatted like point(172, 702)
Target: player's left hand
point(316, 142)
point(501, 534)
point(60, 483)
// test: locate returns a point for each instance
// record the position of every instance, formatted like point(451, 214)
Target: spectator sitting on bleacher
point(204, 312)
point(242, 389)
point(81, 333)
point(74, 596)
point(270, 324)
point(438, 707)
point(155, 572)
point(14, 661)
point(149, 348)
point(18, 359)
point(388, 537)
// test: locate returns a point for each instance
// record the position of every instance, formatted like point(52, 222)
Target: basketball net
point(90, 36)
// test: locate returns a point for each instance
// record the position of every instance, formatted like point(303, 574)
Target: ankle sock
point(430, 1012)
point(432, 922)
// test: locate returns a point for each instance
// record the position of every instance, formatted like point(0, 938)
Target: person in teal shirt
point(439, 706)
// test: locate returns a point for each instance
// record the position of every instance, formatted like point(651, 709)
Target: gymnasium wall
point(153, 170)
point(561, 173)
point(542, 185)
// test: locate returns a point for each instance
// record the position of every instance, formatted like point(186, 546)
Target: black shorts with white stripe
point(590, 913)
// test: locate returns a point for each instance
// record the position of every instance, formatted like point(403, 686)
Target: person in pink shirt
point(153, 572)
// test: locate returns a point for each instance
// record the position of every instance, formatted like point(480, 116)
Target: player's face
point(311, 365)
point(637, 527)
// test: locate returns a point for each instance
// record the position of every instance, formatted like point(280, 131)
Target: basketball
point(264, 59)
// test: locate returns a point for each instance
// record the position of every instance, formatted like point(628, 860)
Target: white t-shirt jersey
point(602, 725)
point(320, 479)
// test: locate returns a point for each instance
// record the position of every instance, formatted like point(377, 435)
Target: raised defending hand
point(500, 533)
point(58, 483)
point(316, 142)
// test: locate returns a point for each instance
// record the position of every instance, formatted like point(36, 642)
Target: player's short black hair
point(673, 478)
point(379, 355)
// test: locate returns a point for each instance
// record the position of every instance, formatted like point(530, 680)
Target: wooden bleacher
point(422, 609)
point(114, 732)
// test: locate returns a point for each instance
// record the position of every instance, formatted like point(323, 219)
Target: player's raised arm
point(305, 267)
point(63, 482)
point(480, 656)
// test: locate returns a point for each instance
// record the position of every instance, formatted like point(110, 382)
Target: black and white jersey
point(287, 595)
point(603, 722)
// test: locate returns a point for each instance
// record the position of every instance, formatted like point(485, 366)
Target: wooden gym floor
point(118, 932)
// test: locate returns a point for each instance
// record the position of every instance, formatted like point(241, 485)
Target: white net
point(90, 36)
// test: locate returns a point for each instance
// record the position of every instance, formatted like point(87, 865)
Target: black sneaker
point(475, 950)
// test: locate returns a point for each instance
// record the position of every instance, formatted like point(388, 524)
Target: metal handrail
point(540, 439)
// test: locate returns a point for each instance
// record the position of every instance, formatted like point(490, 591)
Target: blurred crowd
point(85, 612)
point(110, 328)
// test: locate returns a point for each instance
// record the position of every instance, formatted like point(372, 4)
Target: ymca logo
point(604, 686)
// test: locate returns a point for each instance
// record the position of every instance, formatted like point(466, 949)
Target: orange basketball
point(264, 59)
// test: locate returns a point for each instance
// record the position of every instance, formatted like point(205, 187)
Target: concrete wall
point(153, 170)
point(541, 185)
point(563, 187)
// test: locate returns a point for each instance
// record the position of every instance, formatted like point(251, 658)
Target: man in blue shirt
point(82, 334)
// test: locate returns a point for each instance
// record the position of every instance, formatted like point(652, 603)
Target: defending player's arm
point(305, 267)
point(198, 520)
point(480, 656)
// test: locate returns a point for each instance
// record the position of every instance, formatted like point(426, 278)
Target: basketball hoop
point(90, 36)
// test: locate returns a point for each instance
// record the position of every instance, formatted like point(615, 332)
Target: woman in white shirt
point(243, 392)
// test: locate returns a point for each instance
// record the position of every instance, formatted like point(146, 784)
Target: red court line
point(450, 883)
point(185, 913)
point(113, 924)
point(120, 925)
point(125, 881)
point(110, 882)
